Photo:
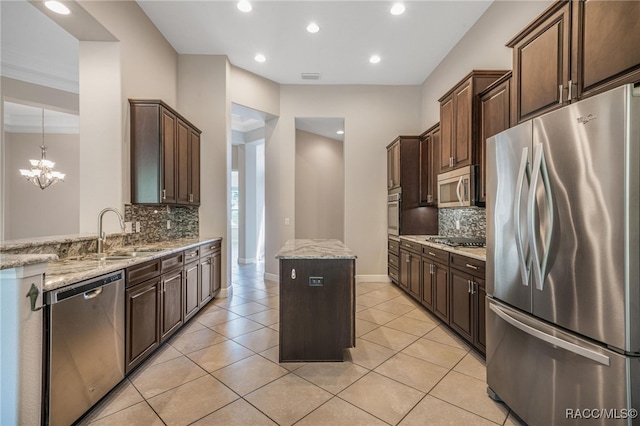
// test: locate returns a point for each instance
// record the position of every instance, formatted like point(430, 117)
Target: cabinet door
point(462, 310)
point(169, 155)
point(425, 170)
point(441, 292)
point(606, 39)
point(206, 280)
point(447, 129)
point(541, 56)
point(494, 118)
point(405, 269)
point(393, 166)
point(415, 268)
point(217, 276)
point(194, 168)
point(191, 287)
point(142, 322)
point(171, 318)
point(480, 336)
point(427, 285)
point(184, 174)
point(462, 115)
point(434, 170)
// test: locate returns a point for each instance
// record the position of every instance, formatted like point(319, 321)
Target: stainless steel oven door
point(455, 188)
point(393, 214)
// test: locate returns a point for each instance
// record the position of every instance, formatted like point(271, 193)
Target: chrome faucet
point(102, 237)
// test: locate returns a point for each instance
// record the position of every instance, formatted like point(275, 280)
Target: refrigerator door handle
point(552, 340)
point(458, 193)
point(539, 168)
point(523, 260)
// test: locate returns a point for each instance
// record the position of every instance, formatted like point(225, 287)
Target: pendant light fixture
point(41, 173)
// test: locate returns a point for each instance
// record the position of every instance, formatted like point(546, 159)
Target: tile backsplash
point(472, 222)
point(153, 223)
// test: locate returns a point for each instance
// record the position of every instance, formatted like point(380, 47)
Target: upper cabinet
point(165, 155)
point(495, 107)
point(429, 155)
point(459, 114)
point(403, 168)
point(574, 49)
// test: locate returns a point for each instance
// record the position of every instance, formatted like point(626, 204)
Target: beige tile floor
point(222, 369)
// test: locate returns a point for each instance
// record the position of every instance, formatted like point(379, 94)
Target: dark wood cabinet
point(426, 296)
point(440, 283)
point(319, 322)
point(410, 272)
point(165, 155)
point(191, 289)
point(393, 165)
point(403, 158)
point(393, 260)
point(171, 314)
point(429, 166)
point(459, 120)
point(210, 279)
point(574, 49)
point(468, 299)
point(142, 326)
point(495, 110)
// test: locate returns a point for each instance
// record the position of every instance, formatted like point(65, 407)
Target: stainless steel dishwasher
point(86, 345)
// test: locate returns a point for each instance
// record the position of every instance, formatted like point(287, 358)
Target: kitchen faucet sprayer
point(102, 237)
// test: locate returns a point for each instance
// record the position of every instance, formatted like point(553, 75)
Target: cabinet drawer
point(435, 254)
point(411, 246)
point(393, 261)
point(172, 261)
point(191, 255)
point(393, 273)
point(139, 273)
point(207, 249)
point(394, 247)
point(473, 266)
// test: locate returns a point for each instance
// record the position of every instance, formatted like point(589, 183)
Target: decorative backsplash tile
point(472, 222)
point(153, 223)
point(153, 229)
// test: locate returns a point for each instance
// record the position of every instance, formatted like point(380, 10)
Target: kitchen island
point(317, 300)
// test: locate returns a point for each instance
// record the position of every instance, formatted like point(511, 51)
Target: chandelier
point(41, 173)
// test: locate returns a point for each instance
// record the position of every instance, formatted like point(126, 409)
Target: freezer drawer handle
point(552, 340)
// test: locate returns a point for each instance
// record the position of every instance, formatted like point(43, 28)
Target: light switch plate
point(137, 226)
point(128, 227)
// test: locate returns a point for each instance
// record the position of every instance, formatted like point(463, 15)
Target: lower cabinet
point(162, 294)
point(142, 326)
point(449, 285)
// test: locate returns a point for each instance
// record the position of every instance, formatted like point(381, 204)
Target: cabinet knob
point(293, 274)
point(164, 194)
point(570, 87)
point(560, 90)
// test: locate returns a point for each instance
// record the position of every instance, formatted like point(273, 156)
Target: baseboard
point(272, 277)
point(226, 291)
point(372, 279)
point(244, 261)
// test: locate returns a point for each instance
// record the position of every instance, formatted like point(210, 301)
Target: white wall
point(319, 187)
point(33, 212)
point(483, 47)
point(373, 117)
point(203, 82)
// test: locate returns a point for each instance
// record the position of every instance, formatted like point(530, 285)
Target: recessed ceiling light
point(340, 132)
point(397, 9)
point(57, 7)
point(313, 28)
point(374, 59)
point(244, 6)
point(260, 58)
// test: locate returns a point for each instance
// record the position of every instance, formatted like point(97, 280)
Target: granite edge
point(468, 252)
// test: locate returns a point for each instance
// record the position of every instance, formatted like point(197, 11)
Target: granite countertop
point(71, 270)
point(479, 253)
point(9, 261)
point(315, 249)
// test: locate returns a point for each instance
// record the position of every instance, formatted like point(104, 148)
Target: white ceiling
point(411, 45)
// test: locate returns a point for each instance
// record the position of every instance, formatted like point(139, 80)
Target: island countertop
point(315, 249)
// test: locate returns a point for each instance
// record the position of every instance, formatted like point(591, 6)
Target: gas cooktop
point(458, 241)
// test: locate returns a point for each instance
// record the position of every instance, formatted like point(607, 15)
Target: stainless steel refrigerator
point(563, 261)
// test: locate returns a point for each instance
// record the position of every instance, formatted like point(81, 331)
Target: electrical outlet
point(286, 221)
point(168, 224)
point(457, 224)
point(128, 228)
point(137, 226)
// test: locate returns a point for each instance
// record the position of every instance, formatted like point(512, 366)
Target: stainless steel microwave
point(457, 188)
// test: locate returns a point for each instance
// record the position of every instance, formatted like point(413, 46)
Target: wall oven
point(393, 213)
point(457, 188)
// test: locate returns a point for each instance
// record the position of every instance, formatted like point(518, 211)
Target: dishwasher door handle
point(93, 293)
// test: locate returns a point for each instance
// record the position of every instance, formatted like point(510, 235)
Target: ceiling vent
point(310, 75)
